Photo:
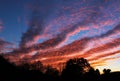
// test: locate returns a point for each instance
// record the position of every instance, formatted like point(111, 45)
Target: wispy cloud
point(4, 45)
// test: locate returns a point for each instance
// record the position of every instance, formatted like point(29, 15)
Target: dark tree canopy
point(80, 63)
point(106, 71)
point(75, 68)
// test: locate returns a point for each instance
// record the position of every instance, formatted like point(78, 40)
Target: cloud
point(76, 48)
point(37, 28)
point(34, 30)
point(85, 46)
point(4, 45)
point(86, 41)
point(102, 55)
point(112, 32)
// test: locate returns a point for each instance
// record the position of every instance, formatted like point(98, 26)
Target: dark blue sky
point(12, 15)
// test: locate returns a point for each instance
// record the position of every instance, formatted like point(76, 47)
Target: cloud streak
point(4, 45)
point(76, 49)
point(34, 30)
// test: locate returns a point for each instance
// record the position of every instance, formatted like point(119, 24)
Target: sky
point(55, 31)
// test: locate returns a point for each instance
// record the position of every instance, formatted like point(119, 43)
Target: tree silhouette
point(33, 66)
point(106, 71)
point(80, 63)
point(51, 73)
point(75, 68)
point(92, 75)
point(37, 65)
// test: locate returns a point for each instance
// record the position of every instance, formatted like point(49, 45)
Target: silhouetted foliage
point(51, 73)
point(77, 69)
point(92, 75)
point(106, 71)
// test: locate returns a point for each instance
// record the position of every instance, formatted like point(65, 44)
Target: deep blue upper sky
point(12, 15)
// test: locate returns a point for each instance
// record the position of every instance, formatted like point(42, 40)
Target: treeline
point(77, 69)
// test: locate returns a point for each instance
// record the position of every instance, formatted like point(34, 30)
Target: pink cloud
point(4, 46)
